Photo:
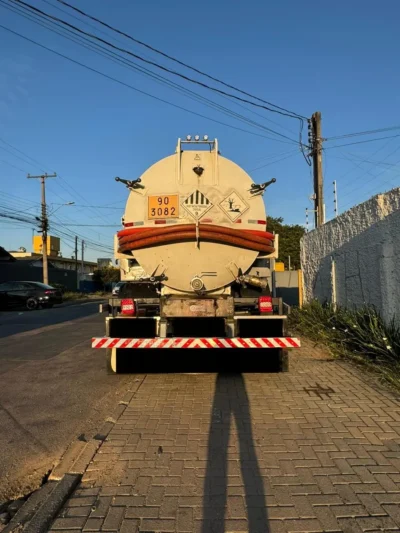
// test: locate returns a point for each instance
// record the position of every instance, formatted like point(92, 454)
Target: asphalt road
point(53, 388)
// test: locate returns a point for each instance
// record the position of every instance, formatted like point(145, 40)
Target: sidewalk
point(316, 449)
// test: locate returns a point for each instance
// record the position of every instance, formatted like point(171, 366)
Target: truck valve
point(260, 188)
point(131, 184)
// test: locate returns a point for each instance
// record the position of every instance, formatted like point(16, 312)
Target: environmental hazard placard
point(197, 204)
point(234, 206)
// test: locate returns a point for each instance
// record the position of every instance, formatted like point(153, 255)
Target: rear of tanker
point(197, 260)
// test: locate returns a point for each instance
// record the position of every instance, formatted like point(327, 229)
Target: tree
point(106, 275)
point(289, 240)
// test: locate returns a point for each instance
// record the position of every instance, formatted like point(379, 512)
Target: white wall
point(364, 245)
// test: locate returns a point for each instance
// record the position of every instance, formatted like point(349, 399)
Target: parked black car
point(30, 294)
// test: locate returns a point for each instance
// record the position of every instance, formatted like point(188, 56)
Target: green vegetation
point(360, 335)
point(69, 295)
point(106, 275)
point(289, 240)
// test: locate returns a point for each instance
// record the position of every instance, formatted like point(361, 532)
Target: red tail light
point(265, 304)
point(128, 307)
point(49, 292)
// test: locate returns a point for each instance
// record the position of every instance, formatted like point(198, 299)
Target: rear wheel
point(32, 304)
point(113, 361)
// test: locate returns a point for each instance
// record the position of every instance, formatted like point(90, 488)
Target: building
point(63, 263)
point(53, 245)
point(104, 262)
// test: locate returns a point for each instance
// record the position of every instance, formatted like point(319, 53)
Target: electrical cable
point(362, 142)
point(157, 65)
point(137, 41)
point(373, 177)
point(132, 87)
point(36, 203)
point(82, 21)
point(112, 56)
point(365, 171)
point(273, 162)
point(361, 160)
point(369, 132)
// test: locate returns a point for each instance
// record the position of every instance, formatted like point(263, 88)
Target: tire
point(31, 304)
point(117, 361)
point(111, 361)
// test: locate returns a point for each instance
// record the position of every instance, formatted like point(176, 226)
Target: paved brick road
point(316, 449)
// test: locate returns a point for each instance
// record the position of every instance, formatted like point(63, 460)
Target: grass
point(69, 295)
point(360, 335)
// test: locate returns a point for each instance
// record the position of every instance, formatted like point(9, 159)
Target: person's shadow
point(231, 402)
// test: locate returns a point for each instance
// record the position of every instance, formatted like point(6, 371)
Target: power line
point(159, 66)
point(82, 21)
point(362, 142)
point(373, 177)
point(117, 225)
point(273, 162)
point(96, 206)
point(369, 132)
point(40, 166)
point(112, 56)
point(361, 160)
point(11, 165)
point(153, 49)
point(364, 171)
point(132, 87)
point(13, 215)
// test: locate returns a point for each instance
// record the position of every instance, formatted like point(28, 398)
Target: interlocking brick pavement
point(313, 450)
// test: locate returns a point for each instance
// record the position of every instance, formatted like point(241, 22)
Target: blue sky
point(339, 58)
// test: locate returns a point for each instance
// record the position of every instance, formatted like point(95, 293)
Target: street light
point(62, 205)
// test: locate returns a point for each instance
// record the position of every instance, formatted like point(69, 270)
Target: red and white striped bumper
point(174, 342)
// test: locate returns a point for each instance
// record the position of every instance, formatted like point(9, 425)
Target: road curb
point(30, 507)
point(43, 506)
point(45, 515)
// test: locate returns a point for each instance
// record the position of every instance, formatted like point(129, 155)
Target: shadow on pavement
point(231, 404)
point(21, 321)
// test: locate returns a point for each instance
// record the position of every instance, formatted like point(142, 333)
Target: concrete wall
point(355, 258)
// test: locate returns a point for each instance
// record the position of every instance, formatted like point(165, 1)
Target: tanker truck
point(195, 255)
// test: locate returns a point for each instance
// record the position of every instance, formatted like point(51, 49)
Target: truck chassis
point(223, 324)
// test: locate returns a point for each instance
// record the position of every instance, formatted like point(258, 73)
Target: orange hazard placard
point(163, 206)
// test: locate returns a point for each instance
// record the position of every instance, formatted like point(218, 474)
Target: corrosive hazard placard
point(234, 206)
point(197, 204)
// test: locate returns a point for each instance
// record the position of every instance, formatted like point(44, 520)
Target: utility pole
point(335, 204)
point(82, 257)
point(315, 141)
point(44, 223)
point(76, 261)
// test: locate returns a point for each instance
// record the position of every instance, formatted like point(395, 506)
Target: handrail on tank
point(196, 141)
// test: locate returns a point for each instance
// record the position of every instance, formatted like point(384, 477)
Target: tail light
point(265, 304)
point(49, 292)
point(128, 307)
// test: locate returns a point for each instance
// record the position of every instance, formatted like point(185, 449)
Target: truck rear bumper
point(185, 343)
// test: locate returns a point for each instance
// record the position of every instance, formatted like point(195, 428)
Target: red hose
point(137, 238)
